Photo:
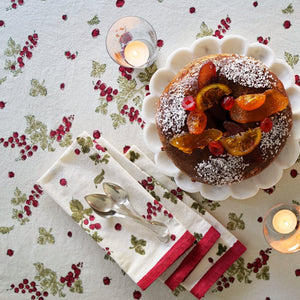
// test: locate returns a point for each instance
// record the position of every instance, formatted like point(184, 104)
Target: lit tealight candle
point(136, 53)
point(284, 221)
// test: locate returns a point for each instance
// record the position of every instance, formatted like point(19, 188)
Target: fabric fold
point(81, 170)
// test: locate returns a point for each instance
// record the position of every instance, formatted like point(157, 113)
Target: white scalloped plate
point(211, 45)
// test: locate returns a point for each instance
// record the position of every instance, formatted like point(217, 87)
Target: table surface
point(48, 97)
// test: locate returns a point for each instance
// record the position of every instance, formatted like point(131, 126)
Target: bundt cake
point(223, 118)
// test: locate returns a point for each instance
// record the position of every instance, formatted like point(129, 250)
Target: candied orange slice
point(196, 121)
point(242, 143)
point(207, 74)
point(275, 102)
point(187, 142)
point(210, 94)
point(250, 101)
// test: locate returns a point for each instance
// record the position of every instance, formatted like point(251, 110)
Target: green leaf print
point(94, 21)
point(13, 48)
point(236, 222)
point(45, 236)
point(204, 31)
point(48, 280)
point(37, 132)
point(102, 107)
point(97, 238)
point(138, 245)
point(78, 211)
point(2, 80)
point(97, 159)
point(239, 270)
point(19, 197)
point(77, 287)
point(264, 273)
point(180, 288)
point(289, 9)
point(117, 120)
point(171, 197)
point(147, 74)
point(133, 156)
point(99, 178)
point(292, 60)
point(37, 88)
point(97, 69)
point(5, 230)
point(198, 236)
point(197, 206)
point(221, 249)
point(86, 144)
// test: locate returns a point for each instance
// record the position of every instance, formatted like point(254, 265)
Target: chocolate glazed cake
point(223, 118)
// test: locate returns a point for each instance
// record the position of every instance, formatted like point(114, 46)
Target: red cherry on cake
point(266, 124)
point(216, 148)
point(227, 102)
point(189, 103)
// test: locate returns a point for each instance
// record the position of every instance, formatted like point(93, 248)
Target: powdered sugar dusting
point(271, 142)
point(221, 170)
point(246, 71)
point(171, 116)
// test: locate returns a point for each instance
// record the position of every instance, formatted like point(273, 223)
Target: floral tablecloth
point(57, 80)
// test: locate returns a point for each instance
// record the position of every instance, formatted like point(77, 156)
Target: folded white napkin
point(81, 170)
point(210, 258)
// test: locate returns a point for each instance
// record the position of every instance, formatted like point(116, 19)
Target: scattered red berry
point(297, 79)
point(294, 173)
point(192, 10)
point(69, 233)
point(11, 174)
point(62, 86)
point(120, 3)
point(137, 295)
point(106, 280)
point(189, 103)
point(2, 104)
point(95, 32)
point(287, 24)
point(64, 17)
point(259, 219)
point(160, 43)
point(125, 149)
point(227, 102)
point(216, 148)
point(96, 134)
point(10, 252)
point(1, 23)
point(266, 124)
point(297, 272)
point(173, 237)
point(255, 3)
point(118, 227)
point(222, 28)
point(63, 182)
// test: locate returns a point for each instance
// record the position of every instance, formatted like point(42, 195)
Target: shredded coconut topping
point(222, 170)
point(245, 71)
point(171, 116)
point(271, 142)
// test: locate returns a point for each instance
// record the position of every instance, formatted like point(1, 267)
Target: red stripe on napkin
point(211, 276)
point(185, 242)
point(193, 258)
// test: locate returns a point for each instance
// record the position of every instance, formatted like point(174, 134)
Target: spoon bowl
point(106, 207)
point(100, 202)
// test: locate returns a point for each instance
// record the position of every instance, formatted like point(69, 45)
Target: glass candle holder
point(132, 42)
point(281, 227)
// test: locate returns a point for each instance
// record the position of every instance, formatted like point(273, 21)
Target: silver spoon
point(106, 207)
point(119, 195)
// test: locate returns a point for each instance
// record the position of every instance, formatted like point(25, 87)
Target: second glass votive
point(132, 42)
point(281, 227)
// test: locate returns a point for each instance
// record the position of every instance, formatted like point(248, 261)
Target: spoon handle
point(161, 230)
